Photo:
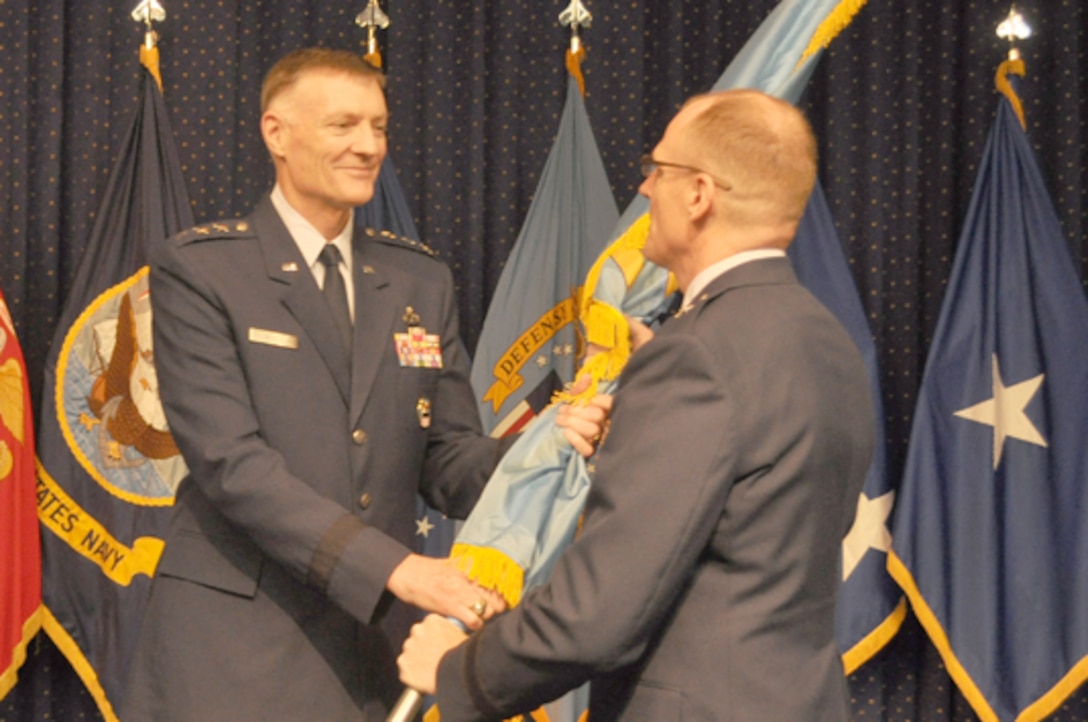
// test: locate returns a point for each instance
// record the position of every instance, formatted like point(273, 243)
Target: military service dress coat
point(702, 587)
point(304, 459)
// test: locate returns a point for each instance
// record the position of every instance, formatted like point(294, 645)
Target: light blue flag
point(528, 343)
point(989, 537)
point(526, 352)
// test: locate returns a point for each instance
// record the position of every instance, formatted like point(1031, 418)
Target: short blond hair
point(294, 65)
point(762, 145)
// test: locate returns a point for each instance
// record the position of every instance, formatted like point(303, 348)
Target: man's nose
point(366, 141)
point(646, 187)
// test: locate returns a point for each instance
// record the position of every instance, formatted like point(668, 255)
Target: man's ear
point(701, 198)
point(273, 130)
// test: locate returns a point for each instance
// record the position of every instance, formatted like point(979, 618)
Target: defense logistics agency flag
point(528, 343)
point(20, 553)
point(989, 540)
point(108, 467)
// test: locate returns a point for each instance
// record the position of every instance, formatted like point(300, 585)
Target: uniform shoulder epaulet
point(392, 239)
point(218, 230)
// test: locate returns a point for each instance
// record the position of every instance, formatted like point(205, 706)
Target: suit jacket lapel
point(301, 296)
point(375, 315)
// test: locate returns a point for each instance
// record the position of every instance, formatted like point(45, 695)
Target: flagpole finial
point(576, 15)
point(149, 12)
point(372, 19)
point(1014, 28)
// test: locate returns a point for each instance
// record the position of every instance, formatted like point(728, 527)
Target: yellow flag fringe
point(490, 568)
point(835, 22)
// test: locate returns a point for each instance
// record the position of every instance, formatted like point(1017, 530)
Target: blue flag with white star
point(989, 537)
point(870, 607)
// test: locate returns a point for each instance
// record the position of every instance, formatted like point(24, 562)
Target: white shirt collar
point(708, 274)
point(308, 239)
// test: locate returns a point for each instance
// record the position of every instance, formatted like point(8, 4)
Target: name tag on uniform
point(272, 338)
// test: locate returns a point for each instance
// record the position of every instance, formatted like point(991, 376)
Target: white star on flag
point(870, 531)
point(1005, 412)
point(423, 527)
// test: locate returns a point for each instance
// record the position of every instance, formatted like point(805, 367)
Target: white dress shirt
point(310, 242)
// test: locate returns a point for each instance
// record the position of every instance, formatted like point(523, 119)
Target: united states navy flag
point(107, 465)
point(989, 535)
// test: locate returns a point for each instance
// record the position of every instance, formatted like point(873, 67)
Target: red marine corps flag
point(20, 552)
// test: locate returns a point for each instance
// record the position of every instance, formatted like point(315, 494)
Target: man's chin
point(359, 195)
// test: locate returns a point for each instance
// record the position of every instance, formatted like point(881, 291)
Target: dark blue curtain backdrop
point(902, 103)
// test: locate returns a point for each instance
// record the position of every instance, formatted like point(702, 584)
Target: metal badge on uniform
point(290, 267)
point(272, 338)
point(416, 348)
point(423, 411)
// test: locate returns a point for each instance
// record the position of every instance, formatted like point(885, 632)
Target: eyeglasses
point(649, 165)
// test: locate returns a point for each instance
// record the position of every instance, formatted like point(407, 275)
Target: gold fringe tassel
point(835, 22)
point(605, 327)
point(490, 568)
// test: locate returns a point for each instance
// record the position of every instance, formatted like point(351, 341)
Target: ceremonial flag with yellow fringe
point(527, 351)
point(108, 466)
point(20, 551)
point(989, 537)
point(512, 538)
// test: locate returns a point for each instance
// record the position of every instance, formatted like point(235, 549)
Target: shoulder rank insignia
point(393, 239)
point(216, 230)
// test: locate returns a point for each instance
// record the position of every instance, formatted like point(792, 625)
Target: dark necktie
point(335, 293)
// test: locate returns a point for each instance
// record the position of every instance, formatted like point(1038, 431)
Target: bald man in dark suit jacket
point(703, 584)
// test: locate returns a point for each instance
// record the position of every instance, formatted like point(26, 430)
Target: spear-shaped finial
point(372, 19)
point(576, 15)
point(1014, 28)
point(148, 12)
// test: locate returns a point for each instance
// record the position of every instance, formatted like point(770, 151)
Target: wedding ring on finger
point(479, 607)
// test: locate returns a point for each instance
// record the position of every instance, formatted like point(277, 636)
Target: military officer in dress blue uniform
point(314, 381)
point(702, 586)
